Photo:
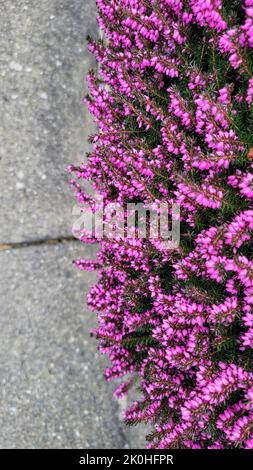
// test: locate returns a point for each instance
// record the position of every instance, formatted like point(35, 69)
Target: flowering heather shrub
point(174, 106)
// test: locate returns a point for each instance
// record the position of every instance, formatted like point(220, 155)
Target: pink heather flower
point(228, 44)
point(225, 96)
point(244, 183)
point(178, 107)
point(248, 25)
point(174, 126)
point(207, 13)
point(249, 97)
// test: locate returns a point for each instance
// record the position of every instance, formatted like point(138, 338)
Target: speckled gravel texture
point(43, 126)
point(53, 394)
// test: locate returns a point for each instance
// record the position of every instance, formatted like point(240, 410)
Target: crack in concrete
point(39, 242)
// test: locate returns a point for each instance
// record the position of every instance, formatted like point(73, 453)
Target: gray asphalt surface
point(44, 127)
point(52, 390)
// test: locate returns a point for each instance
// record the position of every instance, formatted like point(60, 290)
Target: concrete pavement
point(53, 394)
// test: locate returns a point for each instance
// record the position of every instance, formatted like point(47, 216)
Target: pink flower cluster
point(173, 105)
point(207, 13)
point(244, 182)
